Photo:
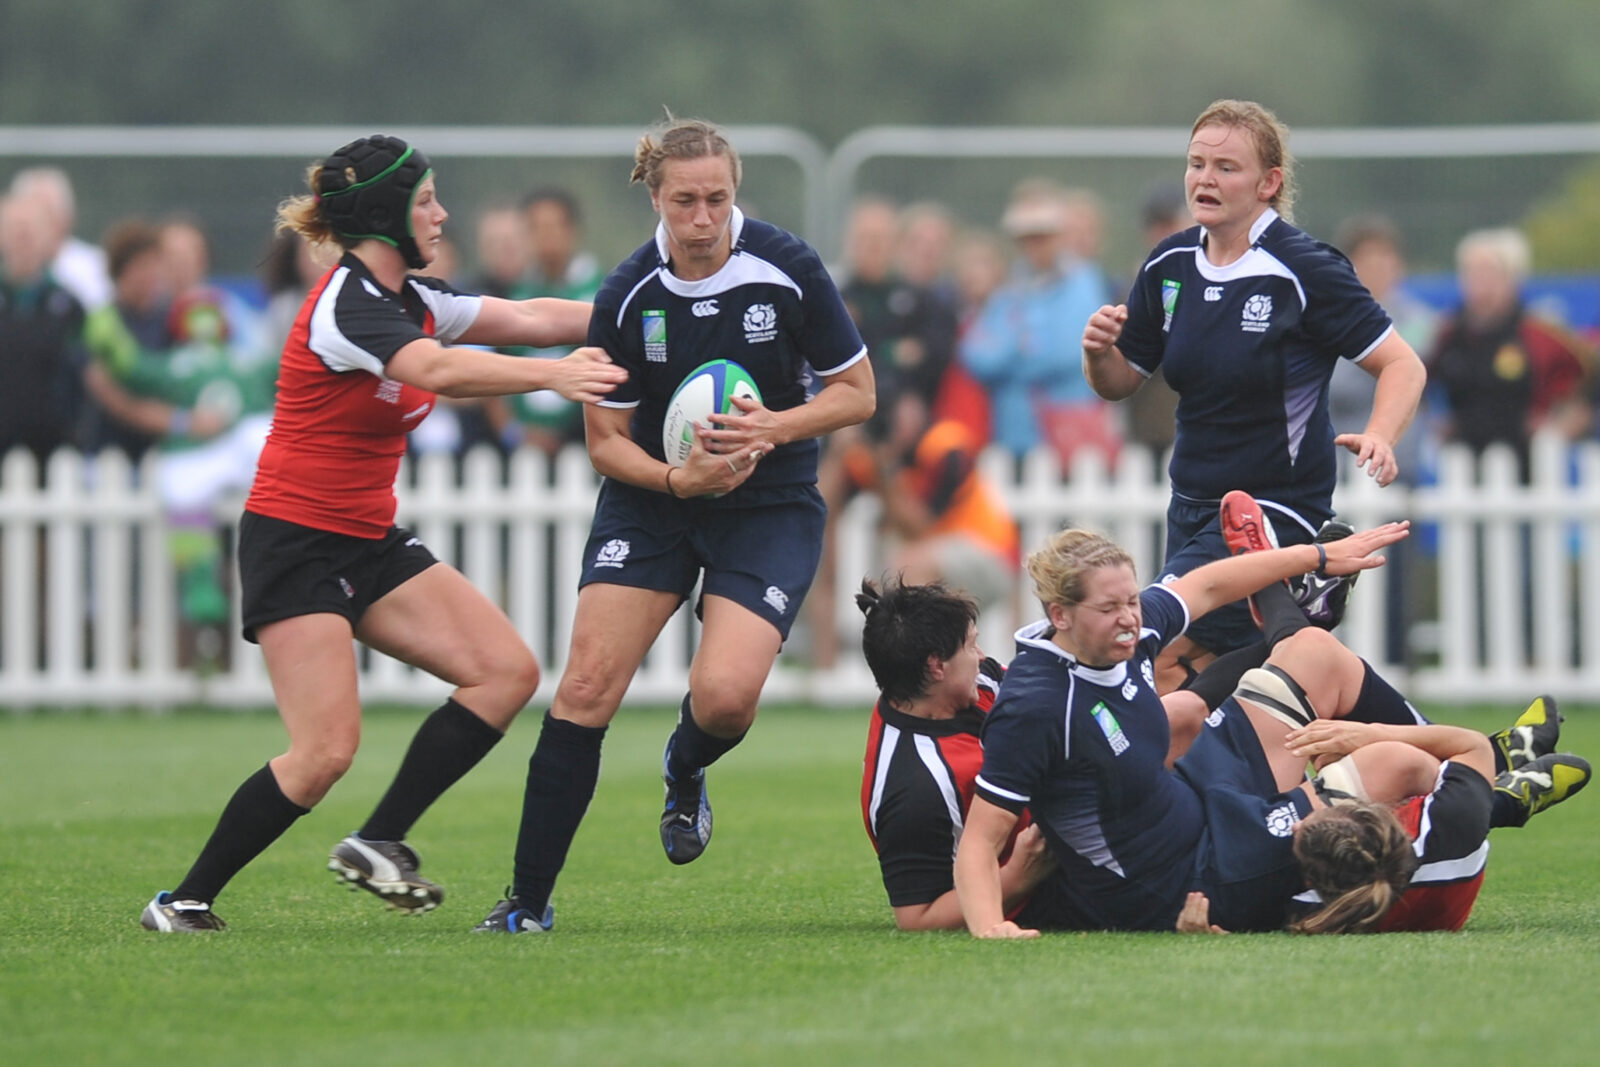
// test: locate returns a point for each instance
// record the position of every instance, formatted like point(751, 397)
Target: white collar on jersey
point(735, 229)
point(1035, 635)
point(1257, 228)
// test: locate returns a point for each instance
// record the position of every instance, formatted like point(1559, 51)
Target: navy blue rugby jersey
point(1249, 347)
point(772, 308)
point(1084, 749)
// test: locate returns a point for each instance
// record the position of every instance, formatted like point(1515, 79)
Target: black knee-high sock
point(448, 744)
point(562, 773)
point(1506, 810)
point(1280, 615)
point(1221, 677)
point(257, 816)
point(1381, 702)
point(692, 749)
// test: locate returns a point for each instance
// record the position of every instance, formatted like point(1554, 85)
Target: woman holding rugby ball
point(742, 512)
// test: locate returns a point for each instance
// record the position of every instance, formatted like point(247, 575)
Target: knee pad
point(1274, 692)
point(1340, 783)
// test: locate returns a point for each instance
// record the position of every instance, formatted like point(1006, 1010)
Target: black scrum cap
point(365, 190)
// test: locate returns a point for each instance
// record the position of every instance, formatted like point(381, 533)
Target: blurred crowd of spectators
point(973, 331)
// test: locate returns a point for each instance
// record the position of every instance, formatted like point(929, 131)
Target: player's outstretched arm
point(1227, 580)
point(978, 872)
point(1329, 739)
point(542, 322)
point(468, 372)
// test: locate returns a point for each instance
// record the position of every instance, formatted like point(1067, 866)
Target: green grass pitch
point(775, 948)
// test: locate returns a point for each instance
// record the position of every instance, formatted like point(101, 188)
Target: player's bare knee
point(723, 715)
point(519, 676)
point(317, 767)
point(586, 696)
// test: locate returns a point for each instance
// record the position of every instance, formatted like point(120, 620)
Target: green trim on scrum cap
point(382, 174)
point(412, 203)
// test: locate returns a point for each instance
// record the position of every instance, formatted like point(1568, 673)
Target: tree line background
point(829, 68)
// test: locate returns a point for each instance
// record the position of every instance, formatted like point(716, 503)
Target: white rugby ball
point(709, 389)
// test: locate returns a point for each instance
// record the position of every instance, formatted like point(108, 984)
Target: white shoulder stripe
point(928, 750)
point(623, 310)
point(453, 313)
point(886, 747)
point(1191, 249)
point(337, 352)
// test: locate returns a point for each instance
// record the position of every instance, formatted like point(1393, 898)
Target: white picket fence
point(1509, 583)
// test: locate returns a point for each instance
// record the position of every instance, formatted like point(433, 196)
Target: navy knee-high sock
point(1506, 810)
point(691, 748)
point(1280, 615)
point(1221, 677)
point(448, 744)
point(562, 773)
point(1381, 702)
point(254, 818)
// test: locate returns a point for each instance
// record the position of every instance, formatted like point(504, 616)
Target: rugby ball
point(708, 390)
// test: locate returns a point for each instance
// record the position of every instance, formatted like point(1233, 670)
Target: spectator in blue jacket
point(1019, 347)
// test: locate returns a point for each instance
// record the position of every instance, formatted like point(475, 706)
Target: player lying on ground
point(923, 754)
point(1433, 844)
point(1131, 835)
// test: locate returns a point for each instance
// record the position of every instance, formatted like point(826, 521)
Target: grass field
point(775, 948)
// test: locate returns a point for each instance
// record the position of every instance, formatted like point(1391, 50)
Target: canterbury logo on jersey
point(704, 308)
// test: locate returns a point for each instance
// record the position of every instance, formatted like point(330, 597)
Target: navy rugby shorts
point(1246, 863)
point(759, 546)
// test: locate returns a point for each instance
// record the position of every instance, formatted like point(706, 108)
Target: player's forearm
point(1444, 742)
point(1018, 879)
point(541, 322)
point(837, 404)
point(1395, 399)
point(1225, 581)
point(978, 886)
point(619, 457)
point(943, 913)
point(1110, 374)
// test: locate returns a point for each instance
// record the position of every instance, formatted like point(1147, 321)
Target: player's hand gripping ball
point(708, 390)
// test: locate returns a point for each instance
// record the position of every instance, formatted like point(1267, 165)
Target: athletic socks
point(1280, 615)
point(691, 749)
point(562, 773)
point(1221, 677)
point(254, 818)
point(1506, 810)
point(1381, 702)
point(449, 743)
